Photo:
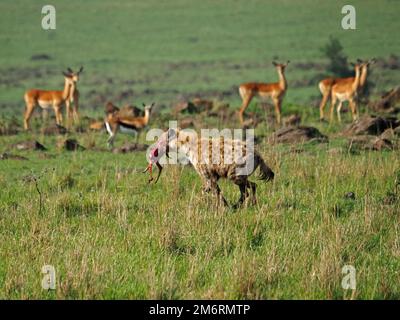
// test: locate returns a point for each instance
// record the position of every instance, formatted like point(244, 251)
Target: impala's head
point(148, 107)
point(111, 108)
point(74, 76)
point(357, 66)
point(280, 66)
point(365, 64)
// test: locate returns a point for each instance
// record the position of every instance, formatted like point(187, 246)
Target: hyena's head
point(175, 140)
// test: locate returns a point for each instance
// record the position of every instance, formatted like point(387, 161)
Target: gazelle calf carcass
point(326, 85)
point(126, 124)
point(214, 158)
point(50, 98)
point(275, 91)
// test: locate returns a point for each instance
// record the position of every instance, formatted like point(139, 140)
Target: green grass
point(180, 47)
point(109, 234)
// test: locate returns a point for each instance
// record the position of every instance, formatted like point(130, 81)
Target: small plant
point(338, 64)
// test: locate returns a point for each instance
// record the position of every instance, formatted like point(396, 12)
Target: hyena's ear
point(171, 133)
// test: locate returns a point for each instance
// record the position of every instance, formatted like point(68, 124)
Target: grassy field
point(111, 235)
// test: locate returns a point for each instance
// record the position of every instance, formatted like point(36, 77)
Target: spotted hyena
point(215, 158)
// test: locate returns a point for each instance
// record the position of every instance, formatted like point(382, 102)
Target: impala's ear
point(359, 61)
point(80, 70)
point(66, 74)
point(70, 70)
point(274, 63)
point(352, 64)
point(287, 62)
point(143, 104)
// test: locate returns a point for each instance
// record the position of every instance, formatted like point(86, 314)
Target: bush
point(338, 64)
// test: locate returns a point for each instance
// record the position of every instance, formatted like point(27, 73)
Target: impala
point(74, 99)
point(213, 158)
point(325, 85)
point(126, 124)
point(276, 91)
point(50, 98)
point(346, 91)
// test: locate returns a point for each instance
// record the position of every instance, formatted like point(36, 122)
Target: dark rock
point(388, 102)
point(56, 129)
point(368, 142)
point(72, 145)
point(131, 147)
point(297, 134)
point(370, 125)
point(8, 156)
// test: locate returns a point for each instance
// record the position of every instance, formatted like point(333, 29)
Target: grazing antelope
point(50, 98)
point(214, 158)
point(325, 85)
point(126, 124)
point(275, 91)
point(74, 99)
point(346, 91)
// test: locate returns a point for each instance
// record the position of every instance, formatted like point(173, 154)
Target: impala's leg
point(28, 114)
point(68, 107)
point(59, 117)
point(333, 103)
point(112, 132)
point(353, 107)
point(338, 110)
point(76, 109)
point(278, 106)
point(246, 99)
point(325, 97)
point(137, 133)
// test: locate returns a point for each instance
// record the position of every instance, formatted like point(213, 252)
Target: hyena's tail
point(266, 172)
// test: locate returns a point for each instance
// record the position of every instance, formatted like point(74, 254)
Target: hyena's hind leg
point(243, 184)
point(243, 194)
point(253, 187)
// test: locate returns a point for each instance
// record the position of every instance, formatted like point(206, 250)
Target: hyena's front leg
point(217, 190)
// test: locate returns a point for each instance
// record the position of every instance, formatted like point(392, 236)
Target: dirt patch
point(9, 128)
point(131, 147)
point(292, 120)
point(41, 56)
point(297, 134)
point(28, 145)
point(196, 105)
point(392, 62)
point(370, 125)
point(9, 156)
point(54, 130)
